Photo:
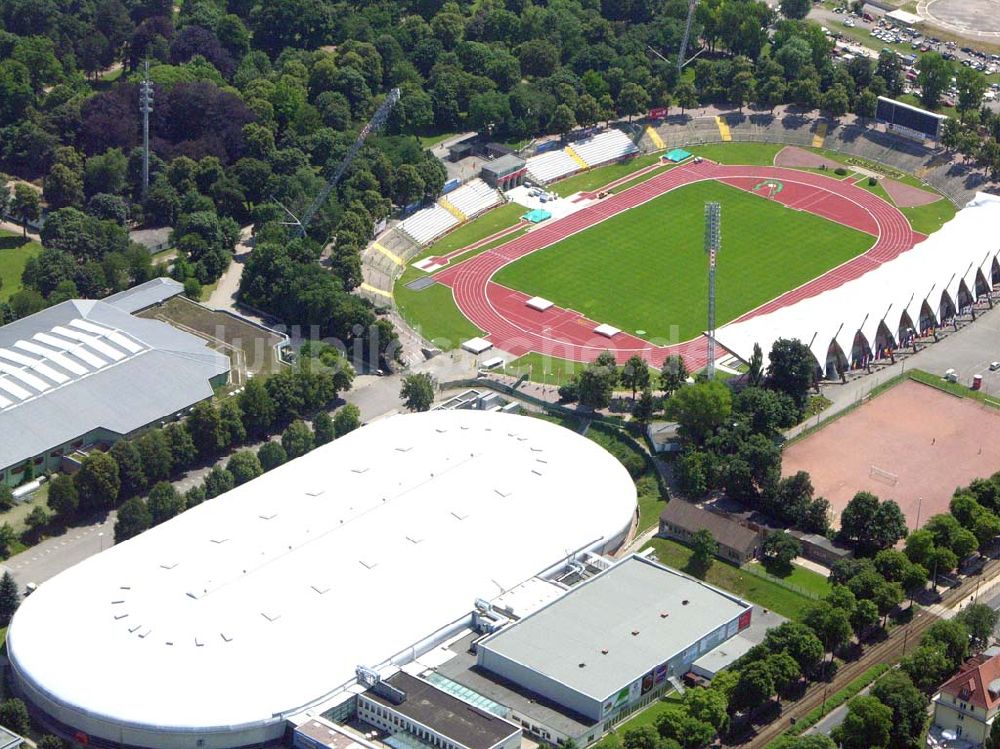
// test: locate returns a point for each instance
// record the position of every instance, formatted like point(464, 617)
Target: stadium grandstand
point(957, 180)
point(603, 148)
point(866, 319)
point(215, 628)
point(450, 210)
point(88, 373)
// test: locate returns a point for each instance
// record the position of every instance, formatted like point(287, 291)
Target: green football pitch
point(645, 271)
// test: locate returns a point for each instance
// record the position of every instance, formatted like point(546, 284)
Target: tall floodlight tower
point(692, 4)
point(713, 240)
point(145, 106)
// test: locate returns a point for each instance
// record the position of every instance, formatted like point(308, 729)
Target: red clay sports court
point(561, 333)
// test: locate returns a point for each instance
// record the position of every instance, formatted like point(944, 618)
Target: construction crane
point(376, 122)
point(681, 62)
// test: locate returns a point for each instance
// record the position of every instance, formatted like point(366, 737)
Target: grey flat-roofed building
point(436, 717)
point(145, 295)
point(9, 740)
point(615, 639)
point(504, 172)
point(84, 372)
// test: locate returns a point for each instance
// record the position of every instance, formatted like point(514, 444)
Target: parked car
point(994, 366)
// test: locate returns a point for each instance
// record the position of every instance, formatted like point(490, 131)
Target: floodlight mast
point(376, 122)
point(681, 62)
point(713, 242)
point(145, 107)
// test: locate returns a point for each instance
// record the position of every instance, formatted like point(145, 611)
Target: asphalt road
point(53, 555)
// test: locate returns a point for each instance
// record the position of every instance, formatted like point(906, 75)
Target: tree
point(10, 599)
point(870, 525)
point(831, 625)
point(971, 85)
point(795, 9)
point(182, 448)
point(63, 187)
point(37, 519)
point(595, 387)
point(563, 120)
point(48, 741)
point(346, 419)
point(14, 714)
point(63, 499)
point(927, 667)
point(933, 77)
point(417, 391)
point(271, 455)
point(133, 518)
point(26, 206)
point(164, 502)
point(156, 453)
point(980, 620)
point(784, 670)
point(779, 549)
point(709, 706)
point(766, 412)
point(218, 481)
point(97, 482)
point(755, 687)
point(799, 641)
point(864, 616)
point(297, 439)
point(323, 428)
point(257, 408)
point(642, 412)
point(205, 427)
point(635, 374)
point(632, 99)
point(130, 469)
point(245, 465)
point(908, 705)
point(7, 539)
point(867, 725)
point(683, 728)
point(755, 373)
point(700, 409)
point(705, 547)
point(952, 637)
point(6, 498)
point(792, 370)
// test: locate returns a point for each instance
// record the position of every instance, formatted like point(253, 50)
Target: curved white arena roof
point(952, 258)
point(265, 599)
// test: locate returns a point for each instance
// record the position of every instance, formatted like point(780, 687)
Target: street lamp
point(100, 535)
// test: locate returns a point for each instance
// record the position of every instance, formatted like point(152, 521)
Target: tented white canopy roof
point(933, 270)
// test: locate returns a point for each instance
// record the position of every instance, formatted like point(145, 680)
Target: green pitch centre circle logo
point(771, 186)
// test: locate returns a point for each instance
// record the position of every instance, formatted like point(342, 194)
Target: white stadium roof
point(935, 270)
point(265, 599)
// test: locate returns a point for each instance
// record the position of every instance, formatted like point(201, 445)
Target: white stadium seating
point(428, 223)
point(474, 198)
point(610, 145)
point(551, 165)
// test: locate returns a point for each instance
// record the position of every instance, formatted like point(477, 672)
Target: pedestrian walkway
point(724, 131)
point(820, 135)
point(655, 137)
point(389, 253)
point(372, 290)
point(576, 157)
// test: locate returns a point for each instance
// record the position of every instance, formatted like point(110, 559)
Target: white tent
point(930, 282)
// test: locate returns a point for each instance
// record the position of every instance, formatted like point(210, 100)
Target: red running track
point(512, 326)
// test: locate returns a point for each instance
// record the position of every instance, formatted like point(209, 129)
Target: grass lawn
point(429, 141)
point(802, 578)
point(927, 219)
point(434, 314)
point(595, 178)
point(545, 369)
point(652, 257)
point(762, 592)
point(648, 716)
point(14, 254)
point(753, 154)
point(433, 311)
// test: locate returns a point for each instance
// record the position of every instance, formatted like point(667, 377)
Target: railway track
point(890, 650)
